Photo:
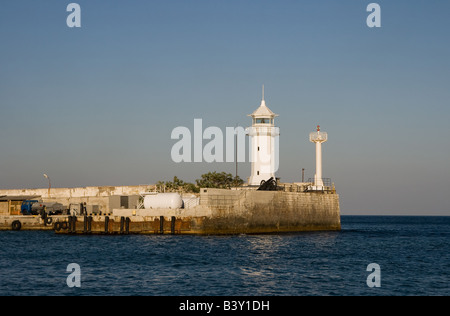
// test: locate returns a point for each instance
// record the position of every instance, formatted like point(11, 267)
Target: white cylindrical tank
point(163, 200)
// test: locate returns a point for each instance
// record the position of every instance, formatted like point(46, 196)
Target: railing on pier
point(326, 181)
point(328, 186)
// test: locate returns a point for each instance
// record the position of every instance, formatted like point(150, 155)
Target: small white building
point(264, 144)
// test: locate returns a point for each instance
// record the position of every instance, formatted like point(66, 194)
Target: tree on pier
point(220, 180)
point(214, 179)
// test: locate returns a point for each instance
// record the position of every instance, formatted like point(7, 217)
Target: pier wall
point(269, 211)
point(219, 212)
point(57, 193)
point(247, 212)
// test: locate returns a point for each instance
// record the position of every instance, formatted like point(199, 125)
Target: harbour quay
point(212, 212)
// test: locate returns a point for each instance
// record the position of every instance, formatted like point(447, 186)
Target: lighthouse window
point(257, 173)
point(262, 121)
point(258, 148)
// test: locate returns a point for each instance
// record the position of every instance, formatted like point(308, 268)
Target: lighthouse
point(264, 144)
point(318, 138)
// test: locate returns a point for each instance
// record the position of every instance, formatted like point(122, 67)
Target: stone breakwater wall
point(269, 211)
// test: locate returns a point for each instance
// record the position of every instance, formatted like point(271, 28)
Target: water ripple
point(414, 255)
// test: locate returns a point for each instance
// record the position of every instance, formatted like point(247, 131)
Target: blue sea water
point(413, 254)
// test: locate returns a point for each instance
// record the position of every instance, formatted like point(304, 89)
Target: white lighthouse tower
point(318, 138)
point(264, 144)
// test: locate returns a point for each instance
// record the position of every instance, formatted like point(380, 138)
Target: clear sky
point(96, 105)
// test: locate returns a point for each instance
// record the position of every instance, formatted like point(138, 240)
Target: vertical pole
point(318, 180)
point(49, 184)
point(127, 225)
point(172, 225)
point(69, 223)
point(161, 224)
point(235, 152)
point(303, 174)
point(89, 224)
point(122, 224)
point(85, 224)
point(106, 224)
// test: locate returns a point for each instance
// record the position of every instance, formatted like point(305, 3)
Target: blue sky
point(96, 105)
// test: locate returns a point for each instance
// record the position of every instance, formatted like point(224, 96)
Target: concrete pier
point(224, 212)
point(217, 212)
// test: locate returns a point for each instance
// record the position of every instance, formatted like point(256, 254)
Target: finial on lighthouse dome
point(263, 102)
point(263, 111)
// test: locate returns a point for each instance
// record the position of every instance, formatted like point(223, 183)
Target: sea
point(370, 256)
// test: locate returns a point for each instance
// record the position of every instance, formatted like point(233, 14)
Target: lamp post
point(49, 184)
